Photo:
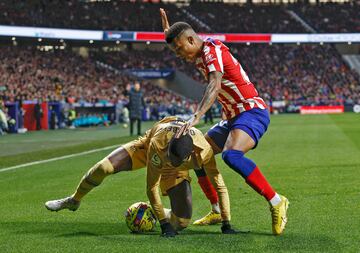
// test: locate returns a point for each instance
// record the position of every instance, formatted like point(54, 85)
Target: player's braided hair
point(175, 30)
point(179, 149)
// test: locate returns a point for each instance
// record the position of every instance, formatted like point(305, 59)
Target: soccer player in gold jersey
point(168, 158)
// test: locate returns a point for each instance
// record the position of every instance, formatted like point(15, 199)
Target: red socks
point(208, 189)
point(259, 183)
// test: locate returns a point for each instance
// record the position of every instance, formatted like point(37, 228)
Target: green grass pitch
point(313, 160)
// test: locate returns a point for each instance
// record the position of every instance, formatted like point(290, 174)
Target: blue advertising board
point(152, 73)
point(121, 36)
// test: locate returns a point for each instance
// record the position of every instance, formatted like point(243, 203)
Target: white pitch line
point(58, 158)
point(63, 157)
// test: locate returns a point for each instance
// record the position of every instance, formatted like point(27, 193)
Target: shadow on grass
point(118, 232)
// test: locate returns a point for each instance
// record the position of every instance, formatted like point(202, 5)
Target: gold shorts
point(169, 181)
point(138, 155)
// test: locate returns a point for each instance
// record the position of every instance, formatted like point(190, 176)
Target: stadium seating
point(302, 75)
point(306, 74)
point(235, 18)
point(204, 17)
point(299, 74)
point(331, 17)
point(29, 74)
point(82, 15)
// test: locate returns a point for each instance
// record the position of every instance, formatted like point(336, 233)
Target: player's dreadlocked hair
point(175, 30)
point(179, 149)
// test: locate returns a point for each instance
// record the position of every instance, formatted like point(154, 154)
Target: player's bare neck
point(201, 47)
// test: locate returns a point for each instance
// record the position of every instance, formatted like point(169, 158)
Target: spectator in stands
point(299, 75)
point(140, 16)
point(3, 121)
point(38, 114)
point(20, 116)
point(136, 106)
point(71, 117)
point(53, 118)
point(331, 17)
point(209, 116)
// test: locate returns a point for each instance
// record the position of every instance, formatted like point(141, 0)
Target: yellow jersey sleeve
point(153, 181)
point(201, 146)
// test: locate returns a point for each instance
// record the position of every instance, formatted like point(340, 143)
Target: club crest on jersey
point(209, 58)
point(155, 160)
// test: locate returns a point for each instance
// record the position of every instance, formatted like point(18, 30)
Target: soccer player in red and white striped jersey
point(245, 115)
point(237, 93)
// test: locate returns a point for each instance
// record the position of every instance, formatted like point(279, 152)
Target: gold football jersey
point(161, 173)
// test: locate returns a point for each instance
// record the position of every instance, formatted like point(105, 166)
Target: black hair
point(175, 30)
point(179, 149)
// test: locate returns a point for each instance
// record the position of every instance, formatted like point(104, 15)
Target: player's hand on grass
point(164, 20)
point(167, 230)
point(226, 228)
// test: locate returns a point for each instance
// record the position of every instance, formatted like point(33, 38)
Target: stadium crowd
point(63, 76)
point(88, 15)
point(139, 59)
point(235, 18)
point(204, 17)
point(331, 17)
point(301, 75)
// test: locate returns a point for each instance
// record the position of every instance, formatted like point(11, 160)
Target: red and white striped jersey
point(237, 93)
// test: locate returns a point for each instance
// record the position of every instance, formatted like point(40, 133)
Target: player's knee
point(101, 170)
point(229, 156)
point(105, 166)
point(236, 160)
point(98, 172)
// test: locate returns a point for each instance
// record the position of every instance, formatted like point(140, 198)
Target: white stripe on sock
point(275, 200)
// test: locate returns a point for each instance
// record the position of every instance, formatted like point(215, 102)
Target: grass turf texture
point(313, 160)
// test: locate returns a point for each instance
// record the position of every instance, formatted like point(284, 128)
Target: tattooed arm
point(211, 93)
point(209, 97)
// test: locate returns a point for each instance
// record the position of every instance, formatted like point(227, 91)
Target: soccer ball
point(140, 217)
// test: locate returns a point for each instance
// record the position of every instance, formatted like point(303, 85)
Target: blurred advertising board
point(152, 73)
point(323, 109)
point(50, 33)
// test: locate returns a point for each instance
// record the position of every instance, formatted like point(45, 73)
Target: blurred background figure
point(71, 117)
point(3, 121)
point(136, 105)
point(53, 119)
point(38, 113)
point(209, 116)
point(6, 122)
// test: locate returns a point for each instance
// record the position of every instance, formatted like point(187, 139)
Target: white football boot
point(65, 203)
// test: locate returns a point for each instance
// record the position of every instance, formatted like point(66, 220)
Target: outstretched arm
point(164, 20)
point(153, 181)
point(212, 90)
point(211, 93)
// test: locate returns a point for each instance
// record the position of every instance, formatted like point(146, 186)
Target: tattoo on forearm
point(210, 96)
